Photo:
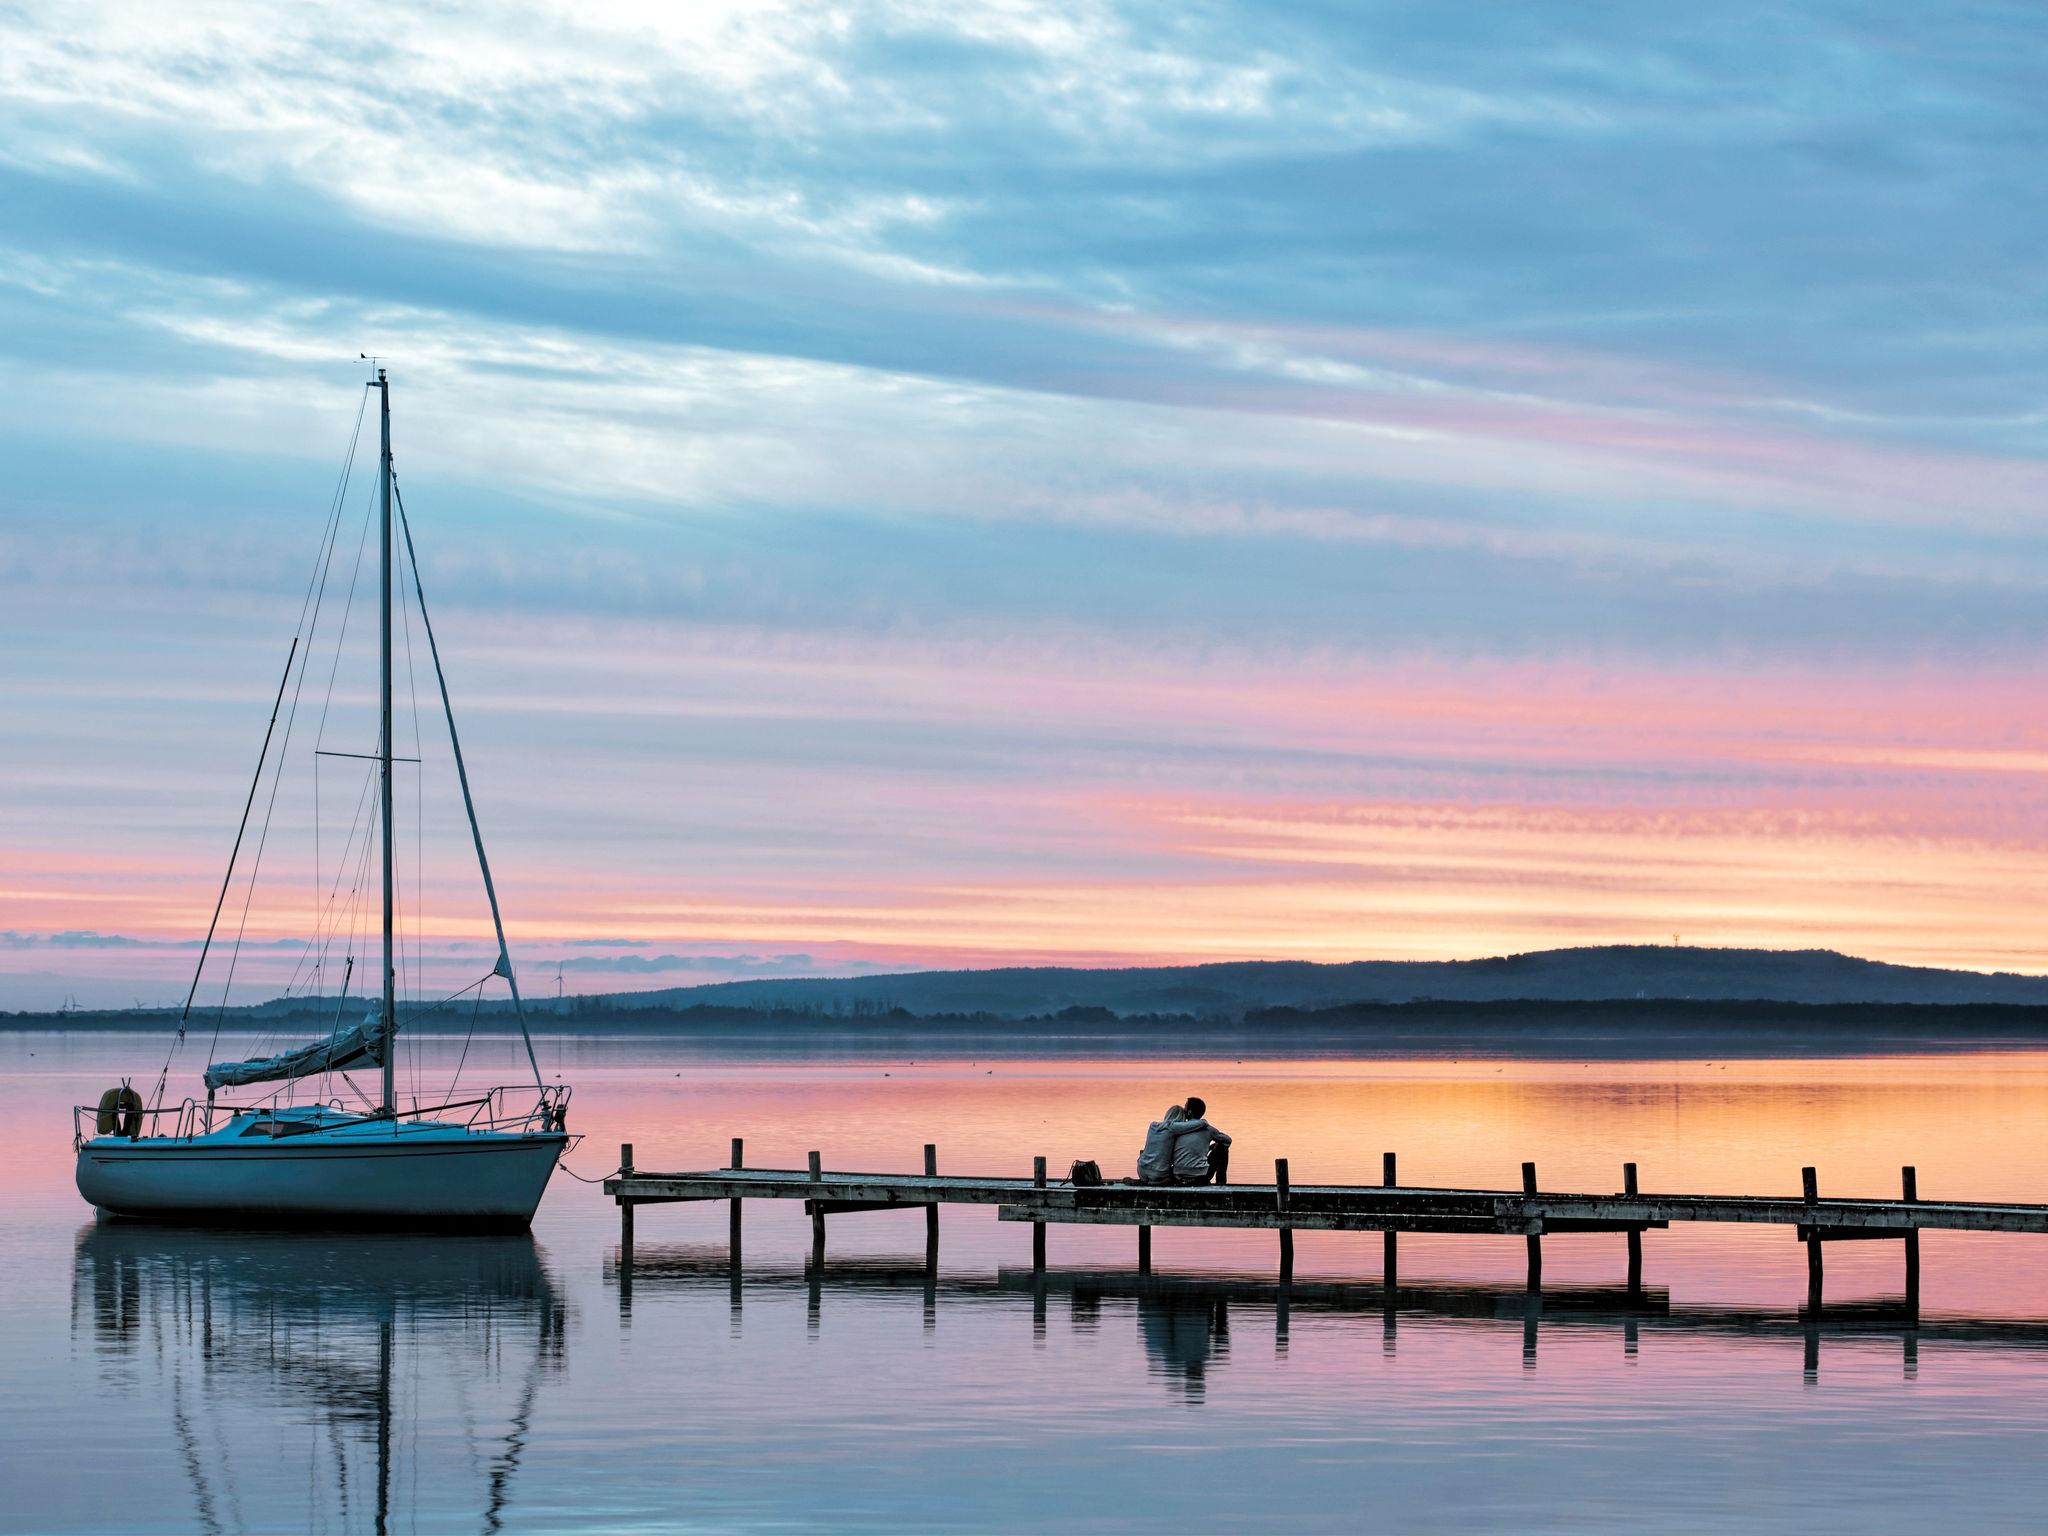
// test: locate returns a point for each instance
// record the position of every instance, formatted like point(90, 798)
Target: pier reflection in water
point(336, 1364)
point(1184, 1322)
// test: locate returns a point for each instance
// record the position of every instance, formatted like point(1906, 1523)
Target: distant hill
point(1258, 995)
point(1232, 989)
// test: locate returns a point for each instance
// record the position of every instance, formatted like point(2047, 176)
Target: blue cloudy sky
point(949, 484)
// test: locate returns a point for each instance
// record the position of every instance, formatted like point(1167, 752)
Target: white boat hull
point(407, 1176)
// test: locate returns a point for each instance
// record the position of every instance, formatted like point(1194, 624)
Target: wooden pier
point(1530, 1212)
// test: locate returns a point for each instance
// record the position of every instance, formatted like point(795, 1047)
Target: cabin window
point(276, 1128)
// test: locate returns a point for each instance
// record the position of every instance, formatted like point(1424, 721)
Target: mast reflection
point(347, 1355)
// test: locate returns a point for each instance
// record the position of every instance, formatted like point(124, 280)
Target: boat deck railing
point(507, 1108)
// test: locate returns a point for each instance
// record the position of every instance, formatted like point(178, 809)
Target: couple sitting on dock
point(1184, 1148)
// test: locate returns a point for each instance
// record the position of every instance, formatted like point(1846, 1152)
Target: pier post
point(1810, 1190)
point(1909, 1185)
point(931, 1212)
point(1144, 1250)
point(1280, 1205)
point(732, 1221)
point(1535, 1240)
point(625, 1235)
point(817, 1214)
point(1038, 1227)
point(1635, 1238)
point(1390, 1241)
point(625, 1206)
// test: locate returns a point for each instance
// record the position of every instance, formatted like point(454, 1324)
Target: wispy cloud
point(86, 938)
point(718, 965)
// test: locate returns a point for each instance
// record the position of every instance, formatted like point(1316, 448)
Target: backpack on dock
point(1085, 1174)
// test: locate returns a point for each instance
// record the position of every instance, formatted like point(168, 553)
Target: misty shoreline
point(1617, 1029)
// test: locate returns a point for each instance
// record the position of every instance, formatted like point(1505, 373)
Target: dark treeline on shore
point(1633, 1026)
point(1598, 982)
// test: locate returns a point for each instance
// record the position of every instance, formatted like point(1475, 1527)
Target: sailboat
point(477, 1162)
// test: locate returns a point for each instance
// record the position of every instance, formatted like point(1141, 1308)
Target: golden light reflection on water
point(1975, 1126)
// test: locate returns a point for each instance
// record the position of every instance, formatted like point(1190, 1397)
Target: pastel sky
point(956, 484)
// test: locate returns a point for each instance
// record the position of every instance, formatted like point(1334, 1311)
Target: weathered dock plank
point(1319, 1221)
point(1369, 1207)
point(1954, 1215)
point(898, 1189)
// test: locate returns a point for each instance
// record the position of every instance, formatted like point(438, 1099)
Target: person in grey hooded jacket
point(1177, 1148)
point(1155, 1163)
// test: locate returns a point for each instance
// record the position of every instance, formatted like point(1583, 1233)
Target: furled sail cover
point(343, 1048)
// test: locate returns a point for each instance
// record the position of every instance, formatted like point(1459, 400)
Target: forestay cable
point(504, 966)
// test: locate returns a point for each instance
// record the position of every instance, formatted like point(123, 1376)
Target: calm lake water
point(245, 1382)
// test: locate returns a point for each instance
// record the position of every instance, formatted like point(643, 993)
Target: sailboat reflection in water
point(275, 1355)
point(338, 1156)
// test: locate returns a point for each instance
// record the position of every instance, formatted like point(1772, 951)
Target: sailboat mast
point(384, 751)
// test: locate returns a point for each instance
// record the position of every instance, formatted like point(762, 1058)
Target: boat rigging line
point(504, 966)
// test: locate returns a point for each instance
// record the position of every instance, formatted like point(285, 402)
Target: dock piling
point(1635, 1236)
point(1535, 1239)
point(1038, 1227)
point(1809, 1188)
point(1280, 1205)
point(817, 1213)
point(1390, 1242)
point(1144, 1250)
point(625, 1234)
point(732, 1225)
point(1038, 1261)
point(736, 1294)
point(1909, 1192)
point(931, 1212)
